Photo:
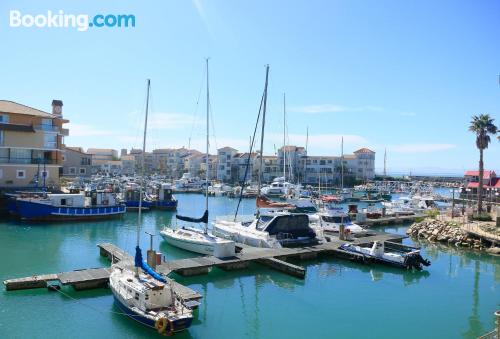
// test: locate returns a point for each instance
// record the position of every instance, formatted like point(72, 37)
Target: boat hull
point(166, 205)
point(35, 211)
point(179, 325)
point(196, 247)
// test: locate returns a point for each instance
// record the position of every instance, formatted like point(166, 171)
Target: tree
point(482, 125)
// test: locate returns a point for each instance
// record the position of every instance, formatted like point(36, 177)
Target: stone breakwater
point(447, 232)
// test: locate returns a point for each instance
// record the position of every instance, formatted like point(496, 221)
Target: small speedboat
point(399, 258)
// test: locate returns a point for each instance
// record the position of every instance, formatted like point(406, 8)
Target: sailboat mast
point(385, 162)
point(261, 162)
point(304, 177)
point(142, 169)
point(206, 155)
point(284, 137)
point(342, 163)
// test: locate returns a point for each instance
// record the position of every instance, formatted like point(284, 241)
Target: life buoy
point(161, 325)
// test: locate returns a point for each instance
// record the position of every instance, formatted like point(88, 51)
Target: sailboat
point(140, 292)
point(191, 238)
point(269, 228)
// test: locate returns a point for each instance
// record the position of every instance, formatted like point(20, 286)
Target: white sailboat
point(193, 239)
point(140, 292)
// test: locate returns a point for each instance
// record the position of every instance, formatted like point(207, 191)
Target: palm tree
point(482, 125)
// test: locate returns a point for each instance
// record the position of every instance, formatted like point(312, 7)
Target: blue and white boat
point(131, 198)
point(58, 207)
point(166, 199)
point(148, 298)
point(140, 292)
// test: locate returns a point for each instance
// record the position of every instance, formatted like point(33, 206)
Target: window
point(20, 174)
point(1, 137)
point(20, 155)
point(4, 118)
point(1, 173)
point(72, 170)
point(63, 157)
point(50, 140)
point(83, 170)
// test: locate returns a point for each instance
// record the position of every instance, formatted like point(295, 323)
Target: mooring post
point(151, 254)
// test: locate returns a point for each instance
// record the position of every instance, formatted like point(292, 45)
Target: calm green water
point(455, 298)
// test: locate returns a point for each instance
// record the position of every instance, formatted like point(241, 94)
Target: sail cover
point(265, 202)
point(203, 219)
point(139, 262)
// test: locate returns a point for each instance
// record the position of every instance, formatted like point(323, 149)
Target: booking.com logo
point(82, 22)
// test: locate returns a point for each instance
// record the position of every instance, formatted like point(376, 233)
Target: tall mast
point(142, 169)
point(284, 137)
point(206, 156)
point(342, 162)
point(261, 162)
point(385, 162)
point(304, 177)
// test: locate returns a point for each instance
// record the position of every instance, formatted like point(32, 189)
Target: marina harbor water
point(452, 298)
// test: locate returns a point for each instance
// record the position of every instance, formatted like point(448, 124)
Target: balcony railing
point(48, 128)
point(5, 160)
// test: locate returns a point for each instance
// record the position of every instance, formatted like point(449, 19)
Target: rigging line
point(213, 124)
point(95, 308)
point(247, 165)
point(195, 114)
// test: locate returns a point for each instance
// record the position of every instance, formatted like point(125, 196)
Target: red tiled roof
point(495, 184)
point(486, 174)
point(364, 150)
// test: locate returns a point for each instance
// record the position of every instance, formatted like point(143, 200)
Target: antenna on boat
point(142, 170)
point(206, 157)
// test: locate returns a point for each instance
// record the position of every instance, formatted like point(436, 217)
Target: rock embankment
point(444, 232)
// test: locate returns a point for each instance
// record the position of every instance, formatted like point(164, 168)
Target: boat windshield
point(336, 219)
point(263, 220)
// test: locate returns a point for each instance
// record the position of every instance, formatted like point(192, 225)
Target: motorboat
point(399, 258)
point(270, 230)
point(331, 219)
point(88, 205)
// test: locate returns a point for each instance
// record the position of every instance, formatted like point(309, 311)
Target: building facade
point(76, 162)
point(31, 145)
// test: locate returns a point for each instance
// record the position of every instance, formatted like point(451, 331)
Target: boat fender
point(161, 325)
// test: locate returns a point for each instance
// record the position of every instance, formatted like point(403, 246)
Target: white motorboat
point(194, 239)
point(399, 258)
point(279, 187)
point(269, 230)
point(331, 219)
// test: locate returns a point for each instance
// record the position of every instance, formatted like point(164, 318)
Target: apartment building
point(148, 160)
point(31, 144)
point(225, 158)
point(212, 167)
point(76, 162)
point(103, 153)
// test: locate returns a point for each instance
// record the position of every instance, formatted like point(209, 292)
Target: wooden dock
point(270, 257)
point(391, 220)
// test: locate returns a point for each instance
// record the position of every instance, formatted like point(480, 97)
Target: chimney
point(57, 107)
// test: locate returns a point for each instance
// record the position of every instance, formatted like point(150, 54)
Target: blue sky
point(401, 75)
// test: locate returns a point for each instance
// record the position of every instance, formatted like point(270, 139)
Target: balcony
point(46, 128)
point(28, 161)
point(64, 132)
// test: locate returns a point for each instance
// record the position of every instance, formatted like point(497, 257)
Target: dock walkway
point(271, 257)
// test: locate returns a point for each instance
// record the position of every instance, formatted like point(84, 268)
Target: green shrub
point(433, 213)
point(482, 217)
